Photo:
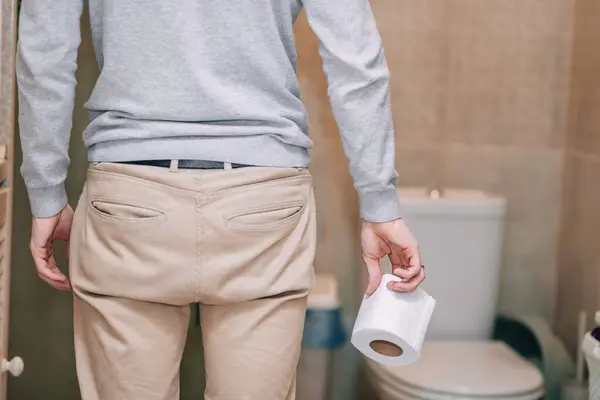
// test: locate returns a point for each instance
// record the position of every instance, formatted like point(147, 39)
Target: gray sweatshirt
point(202, 79)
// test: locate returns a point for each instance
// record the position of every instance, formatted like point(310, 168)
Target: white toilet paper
point(390, 327)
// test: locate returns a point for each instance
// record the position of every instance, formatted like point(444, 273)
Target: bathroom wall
point(478, 94)
point(579, 271)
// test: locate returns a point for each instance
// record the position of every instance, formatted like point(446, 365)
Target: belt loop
point(227, 165)
point(174, 166)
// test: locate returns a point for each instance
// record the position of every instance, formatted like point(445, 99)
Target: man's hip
point(176, 235)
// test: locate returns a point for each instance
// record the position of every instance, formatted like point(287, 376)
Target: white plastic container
point(591, 350)
point(323, 333)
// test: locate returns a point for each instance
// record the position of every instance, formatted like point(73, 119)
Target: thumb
point(374, 271)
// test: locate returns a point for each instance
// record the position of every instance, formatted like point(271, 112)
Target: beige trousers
point(147, 242)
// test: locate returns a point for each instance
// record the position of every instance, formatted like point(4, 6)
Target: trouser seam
point(199, 256)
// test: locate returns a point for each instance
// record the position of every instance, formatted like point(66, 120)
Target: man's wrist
point(47, 202)
point(381, 206)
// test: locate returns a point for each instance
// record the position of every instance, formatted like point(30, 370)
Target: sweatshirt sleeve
point(358, 79)
point(49, 37)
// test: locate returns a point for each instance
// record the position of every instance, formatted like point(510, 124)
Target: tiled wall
point(478, 92)
point(579, 272)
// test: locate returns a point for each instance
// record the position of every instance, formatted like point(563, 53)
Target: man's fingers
point(57, 285)
point(374, 271)
point(47, 267)
point(58, 272)
point(395, 240)
point(52, 275)
point(406, 272)
point(49, 273)
point(406, 262)
point(408, 285)
point(414, 256)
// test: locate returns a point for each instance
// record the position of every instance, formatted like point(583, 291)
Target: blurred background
point(501, 96)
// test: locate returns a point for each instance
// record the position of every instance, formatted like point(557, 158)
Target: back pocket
point(267, 216)
point(124, 211)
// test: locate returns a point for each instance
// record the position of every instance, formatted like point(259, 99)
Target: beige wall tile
point(528, 285)
point(419, 166)
point(586, 201)
point(579, 270)
point(569, 298)
point(590, 290)
point(521, 18)
point(570, 273)
point(584, 119)
point(415, 47)
point(586, 15)
point(530, 180)
point(584, 123)
point(578, 290)
point(417, 104)
point(508, 63)
point(410, 15)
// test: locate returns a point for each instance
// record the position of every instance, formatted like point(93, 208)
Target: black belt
point(186, 164)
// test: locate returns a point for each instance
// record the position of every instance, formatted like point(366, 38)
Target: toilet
point(460, 235)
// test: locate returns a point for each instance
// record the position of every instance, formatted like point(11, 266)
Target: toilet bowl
point(460, 371)
point(460, 236)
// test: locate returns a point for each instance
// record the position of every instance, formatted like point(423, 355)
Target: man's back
point(189, 69)
point(206, 80)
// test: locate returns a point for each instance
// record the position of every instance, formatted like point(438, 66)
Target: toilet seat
point(388, 392)
point(394, 391)
point(460, 371)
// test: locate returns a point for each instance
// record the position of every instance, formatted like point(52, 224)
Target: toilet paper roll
point(390, 327)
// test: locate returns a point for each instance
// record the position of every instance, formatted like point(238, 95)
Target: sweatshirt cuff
point(382, 206)
point(47, 202)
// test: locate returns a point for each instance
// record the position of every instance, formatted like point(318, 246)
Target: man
point(197, 188)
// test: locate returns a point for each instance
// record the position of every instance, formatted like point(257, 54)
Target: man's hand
point(394, 239)
point(44, 232)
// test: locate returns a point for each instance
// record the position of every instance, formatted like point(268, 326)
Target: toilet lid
point(470, 369)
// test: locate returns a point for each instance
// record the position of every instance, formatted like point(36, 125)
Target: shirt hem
point(263, 151)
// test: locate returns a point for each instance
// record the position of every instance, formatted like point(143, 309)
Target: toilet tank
point(460, 234)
